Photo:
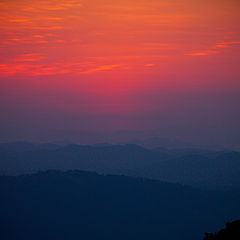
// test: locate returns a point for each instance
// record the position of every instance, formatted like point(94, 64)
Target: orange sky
point(118, 39)
point(105, 56)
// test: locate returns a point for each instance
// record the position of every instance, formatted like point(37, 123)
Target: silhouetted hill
point(231, 232)
point(83, 205)
point(213, 170)
point(17, 146)
point(102, 145)
point(158, 142)
point(23, 146)
point(104, 159)
point(179, 152)
point(196, 167)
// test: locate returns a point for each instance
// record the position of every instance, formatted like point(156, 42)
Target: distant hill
point(155, 142)
point(207, 170)
point(191, 166)
point(27, 146)
point(83, 205)
point(104, 158)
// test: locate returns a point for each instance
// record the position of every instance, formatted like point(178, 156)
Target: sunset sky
point(105, 65)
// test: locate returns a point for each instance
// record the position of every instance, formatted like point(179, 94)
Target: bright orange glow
point(121, 47)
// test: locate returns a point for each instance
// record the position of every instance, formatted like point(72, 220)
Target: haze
point(104, 66)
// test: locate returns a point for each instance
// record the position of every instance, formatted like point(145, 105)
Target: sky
point(102, 65)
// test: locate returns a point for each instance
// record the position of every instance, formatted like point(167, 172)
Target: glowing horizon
point(117, 57)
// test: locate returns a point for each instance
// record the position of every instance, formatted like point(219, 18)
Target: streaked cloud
point(45, 27)
point(17, 20)
point(228, 43)
point(25, 65)
point(38, 36)
point(149, 65)
point(203, 53)
point(55, 18)
point(134, 35)
point(222, 46)
point(29, 58)
point(197, 54)
point(102, 68)
point(17, 39)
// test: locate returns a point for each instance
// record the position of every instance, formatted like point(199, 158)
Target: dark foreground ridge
point(231, 232)
point(85, 205)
